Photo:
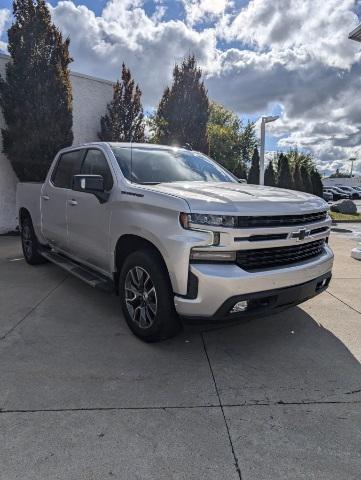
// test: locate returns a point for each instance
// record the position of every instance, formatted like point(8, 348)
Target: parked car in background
point(357, 188)
point(327, 195)
point(337, 194)
point(175, 234)
point(352, 192)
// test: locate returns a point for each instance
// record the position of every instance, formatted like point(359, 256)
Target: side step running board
point(92, 278)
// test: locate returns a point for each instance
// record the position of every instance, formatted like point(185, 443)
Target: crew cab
point(175, 235)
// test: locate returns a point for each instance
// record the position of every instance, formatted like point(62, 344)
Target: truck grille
point(280, 221)
point(279, 256)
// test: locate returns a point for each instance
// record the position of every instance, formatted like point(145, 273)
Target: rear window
point(68, 165)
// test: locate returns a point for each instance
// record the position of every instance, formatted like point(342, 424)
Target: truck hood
point(242, 199)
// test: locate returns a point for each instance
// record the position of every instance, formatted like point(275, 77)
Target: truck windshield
point(153, 165)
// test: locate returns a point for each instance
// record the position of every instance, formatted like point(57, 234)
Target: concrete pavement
point(81, 398)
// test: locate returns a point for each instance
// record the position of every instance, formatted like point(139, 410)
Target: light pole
point(263, 135)
point(352, 159)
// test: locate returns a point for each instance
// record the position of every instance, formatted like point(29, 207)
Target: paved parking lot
point(81, 398)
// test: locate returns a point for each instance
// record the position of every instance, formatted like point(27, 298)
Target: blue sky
point(286, 57)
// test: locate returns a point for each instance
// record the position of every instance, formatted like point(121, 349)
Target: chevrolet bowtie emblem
point(301, 234)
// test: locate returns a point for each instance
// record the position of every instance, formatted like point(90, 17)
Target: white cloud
point(201, 10)
point(124, 32)
point(4, 18)
point(290, 53)
point(317, 27)
point(299, 56)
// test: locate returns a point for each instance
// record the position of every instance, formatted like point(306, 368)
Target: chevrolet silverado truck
point(175, 235)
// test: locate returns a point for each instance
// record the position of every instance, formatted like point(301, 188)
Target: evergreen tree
point(253, 174)
point(270, 177)
point(297, 178)
point(317, 186)
point(123, 121)
point(35, 96)
point(240, 170)
point(284, 173)
point(306, 179)
point(183, 111)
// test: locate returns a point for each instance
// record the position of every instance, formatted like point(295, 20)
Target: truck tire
point(30, 243)
point(147, 297)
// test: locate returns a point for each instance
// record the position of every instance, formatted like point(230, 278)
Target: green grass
point(356, 217)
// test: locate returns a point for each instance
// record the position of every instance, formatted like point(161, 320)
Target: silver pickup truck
point(175, 235)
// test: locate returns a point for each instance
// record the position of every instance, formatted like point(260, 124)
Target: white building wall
point(90, 97)
point(8, 178)
point(348, 182)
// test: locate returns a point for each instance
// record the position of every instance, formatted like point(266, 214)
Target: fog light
point(240, 307)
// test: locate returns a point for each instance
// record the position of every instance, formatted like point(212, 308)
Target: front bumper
point(221, 286)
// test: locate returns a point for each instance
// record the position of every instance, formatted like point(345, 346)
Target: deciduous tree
point(224, 129)
point(248, 142)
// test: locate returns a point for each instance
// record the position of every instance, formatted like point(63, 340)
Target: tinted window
point(67, 166)
point(95, 163)
point(152, 165)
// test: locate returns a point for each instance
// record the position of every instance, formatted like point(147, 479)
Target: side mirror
point(91, 184)
point(241, 180)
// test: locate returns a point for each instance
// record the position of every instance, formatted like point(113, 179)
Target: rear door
point(54, 198)
point(88, 219)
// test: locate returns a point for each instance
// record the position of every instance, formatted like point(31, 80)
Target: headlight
point(212, 256)
point(207, 219)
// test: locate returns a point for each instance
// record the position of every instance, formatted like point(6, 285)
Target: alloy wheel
point(140, 297)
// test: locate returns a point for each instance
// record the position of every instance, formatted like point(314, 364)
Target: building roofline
point(356, 34)
point(74, 74)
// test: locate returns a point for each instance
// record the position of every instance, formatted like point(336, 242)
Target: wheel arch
point(129, 243)
point(23, 213)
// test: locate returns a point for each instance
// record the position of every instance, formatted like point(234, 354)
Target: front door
point(54, 199)
point(88, 219)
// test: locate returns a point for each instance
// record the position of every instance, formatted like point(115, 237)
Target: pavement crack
point(103, 409)
point(14, 327)
point(353, 391)
point(236, 464)
point(283, 403)
point(175, 407)
point(347, 305)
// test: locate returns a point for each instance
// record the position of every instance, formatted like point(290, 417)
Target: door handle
point(73, 202)
point(45, 197)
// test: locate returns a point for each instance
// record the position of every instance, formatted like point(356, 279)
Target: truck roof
point(125, 145)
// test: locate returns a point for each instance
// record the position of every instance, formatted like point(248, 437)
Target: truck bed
point(28, 196)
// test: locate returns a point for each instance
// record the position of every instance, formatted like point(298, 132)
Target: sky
point(259, 57)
